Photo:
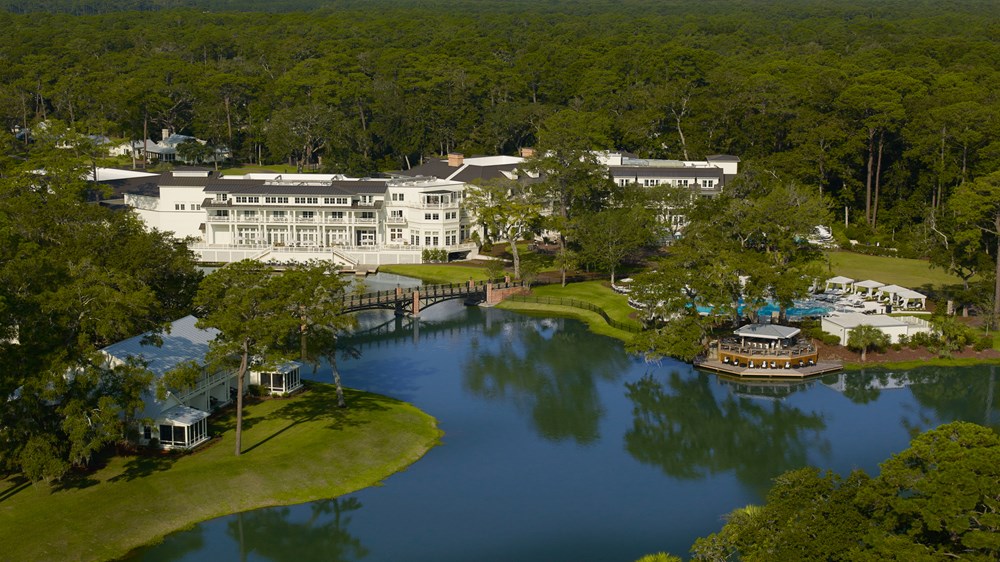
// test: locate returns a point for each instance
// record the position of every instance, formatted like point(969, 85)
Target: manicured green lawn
point(593, 292)
point(898, 271)
point(438, 273)
point(295, 450)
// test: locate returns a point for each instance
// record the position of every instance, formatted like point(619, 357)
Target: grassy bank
point(897, 271)
point(907, 365)
point(295, 450)
point(593, 292)
point(437, 273)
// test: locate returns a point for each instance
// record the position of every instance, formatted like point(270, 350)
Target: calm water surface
point(559, 446)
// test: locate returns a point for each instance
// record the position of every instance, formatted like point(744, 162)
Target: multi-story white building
point(362, 223)
point(291, 217)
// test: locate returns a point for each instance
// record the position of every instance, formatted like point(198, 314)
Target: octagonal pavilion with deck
point(766, 350)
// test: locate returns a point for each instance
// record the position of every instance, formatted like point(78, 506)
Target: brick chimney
point(527, 152)
point(455, 159)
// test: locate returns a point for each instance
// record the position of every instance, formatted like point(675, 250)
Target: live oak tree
point(938, 499)
point(245, 302)
point(74, 277)
point(740, 250)
point(609, 237)
point(573, 181)
point(506, 209)
point(976, 206)
point(314, 293)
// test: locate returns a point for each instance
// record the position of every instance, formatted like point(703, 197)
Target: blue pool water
point(801, 310)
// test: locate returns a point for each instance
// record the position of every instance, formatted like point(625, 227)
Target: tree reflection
point(967, 394)
point(547, 369)
point(323, 536)
point(174, 547)
point(682, 427)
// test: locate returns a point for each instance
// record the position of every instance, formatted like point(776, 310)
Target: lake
point(560, 446)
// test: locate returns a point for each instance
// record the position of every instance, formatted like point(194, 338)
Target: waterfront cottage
point(178, 420)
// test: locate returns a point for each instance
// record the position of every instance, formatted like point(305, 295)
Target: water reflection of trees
point(681, 426)
point(549, 370)
point(269, 533)
point(967, 394)
point(174, 547)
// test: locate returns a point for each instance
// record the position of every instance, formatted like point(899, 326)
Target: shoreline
point(593, 321)
point(296, 450)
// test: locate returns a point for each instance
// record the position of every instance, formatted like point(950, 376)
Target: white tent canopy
point(869, 285)
point(890, 291)
point(906, 296)
point(844, 282)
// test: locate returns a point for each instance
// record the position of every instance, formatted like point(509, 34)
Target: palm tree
point(866, 337)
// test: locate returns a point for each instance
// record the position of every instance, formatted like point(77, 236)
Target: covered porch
point(281, 380)
point(180, 427)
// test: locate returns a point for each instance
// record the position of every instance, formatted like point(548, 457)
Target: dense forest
point(885, 107)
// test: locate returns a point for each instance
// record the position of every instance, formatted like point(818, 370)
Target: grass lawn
point(295, 450)
point(593, 292)
point(897, 271)
point(438, 273)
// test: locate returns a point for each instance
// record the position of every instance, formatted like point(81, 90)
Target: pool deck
point(819, 368)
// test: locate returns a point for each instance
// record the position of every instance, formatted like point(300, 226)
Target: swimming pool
point(802, 309)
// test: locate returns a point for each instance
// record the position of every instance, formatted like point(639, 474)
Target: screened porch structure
point(281, 380)
point(180, 427)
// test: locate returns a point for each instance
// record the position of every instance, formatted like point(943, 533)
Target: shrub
point(257, 390)
point(434, 255)
point(829, 339)
point(984, 342)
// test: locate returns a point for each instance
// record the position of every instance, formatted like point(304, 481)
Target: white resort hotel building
point(363, 223)
point(358, 223)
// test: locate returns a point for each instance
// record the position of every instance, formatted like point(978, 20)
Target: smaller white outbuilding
point(841, 325)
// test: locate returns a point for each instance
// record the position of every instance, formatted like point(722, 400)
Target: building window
point(246, 199)
point(195, 207)
point(335, 201)
point(650, 182)
point(415, 238)
point(708, 183)
point(395, 234)
point(398, 196)
point(178, 206)
point(450, 215)
point(450, 237)
point(173, 435)
point(431, 216)
point(396, 213)
point(308, 214)
point(223, 197)
point(276, 200)
point(683, 183)
point(307, 200)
